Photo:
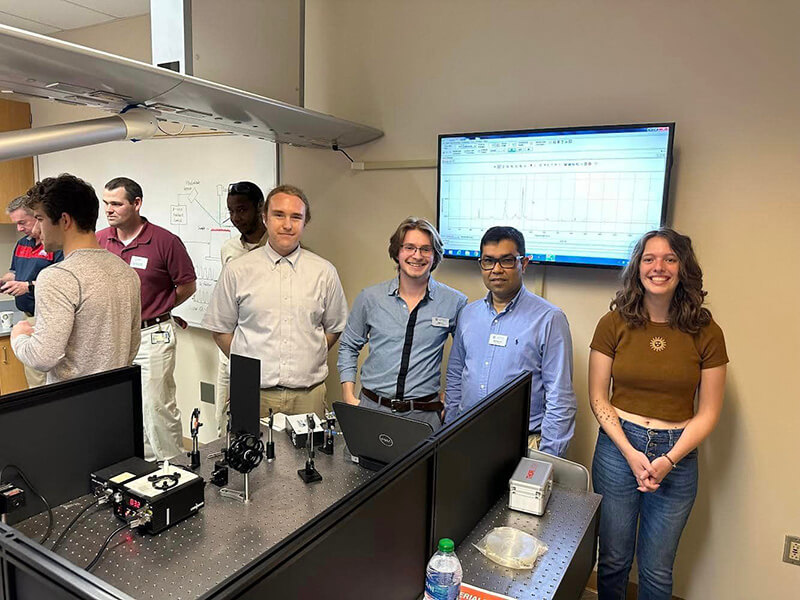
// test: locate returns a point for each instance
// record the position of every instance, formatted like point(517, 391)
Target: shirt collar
point(275, 258)
point(394, 286)
point(430, 292)
point(510, 306)
point(144, 237)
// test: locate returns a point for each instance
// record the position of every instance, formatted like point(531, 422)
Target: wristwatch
point(30, 285)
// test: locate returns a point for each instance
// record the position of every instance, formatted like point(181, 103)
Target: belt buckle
point(392, 405)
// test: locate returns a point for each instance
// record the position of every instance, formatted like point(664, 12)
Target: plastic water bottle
point(443, 575)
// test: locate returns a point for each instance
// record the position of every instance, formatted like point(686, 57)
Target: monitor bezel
point(565, 131)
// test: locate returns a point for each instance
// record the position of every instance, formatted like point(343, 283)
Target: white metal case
point(530, 486)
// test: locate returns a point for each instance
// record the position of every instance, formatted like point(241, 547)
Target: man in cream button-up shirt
point(283, 305)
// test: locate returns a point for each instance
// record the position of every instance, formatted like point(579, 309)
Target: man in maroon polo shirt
point(168, 279)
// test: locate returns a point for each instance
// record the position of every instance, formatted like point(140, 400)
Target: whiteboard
point(184, 183)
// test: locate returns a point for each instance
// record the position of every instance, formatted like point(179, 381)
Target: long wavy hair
point(686, 311)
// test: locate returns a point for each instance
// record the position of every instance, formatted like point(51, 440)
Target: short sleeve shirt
point(161, 261)
point(656, 368)
point(29, 259)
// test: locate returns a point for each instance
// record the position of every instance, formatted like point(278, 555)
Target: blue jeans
point(660, 515)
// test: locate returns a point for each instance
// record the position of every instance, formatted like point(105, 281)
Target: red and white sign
point(469, 592)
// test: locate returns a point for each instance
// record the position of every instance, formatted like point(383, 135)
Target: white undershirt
point(130, 239)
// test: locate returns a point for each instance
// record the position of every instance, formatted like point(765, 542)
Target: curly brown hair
point(66, 194)
point(686, 311)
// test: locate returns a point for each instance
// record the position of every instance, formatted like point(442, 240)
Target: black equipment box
point(163, 497)
point(114, 477)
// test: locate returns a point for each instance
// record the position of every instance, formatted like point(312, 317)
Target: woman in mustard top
point(661, 349)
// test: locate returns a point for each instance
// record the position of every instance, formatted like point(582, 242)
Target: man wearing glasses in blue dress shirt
point(406, 322)
point(506, 333)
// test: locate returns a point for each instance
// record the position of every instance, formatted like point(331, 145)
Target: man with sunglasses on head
point(508, 332)
point(245, 203)
point(283, 305)
point(406, 322)
point(168, 279)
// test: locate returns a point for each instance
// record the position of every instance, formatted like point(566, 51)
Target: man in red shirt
point(168, 279)
point(27, 262)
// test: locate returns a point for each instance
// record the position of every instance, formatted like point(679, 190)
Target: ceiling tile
point(26, 24)
point(56, 13)
point(117, 8)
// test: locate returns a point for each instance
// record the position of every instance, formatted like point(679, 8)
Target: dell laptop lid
point(377, 438)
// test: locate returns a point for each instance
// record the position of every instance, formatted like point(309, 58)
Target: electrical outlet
point(791, 550)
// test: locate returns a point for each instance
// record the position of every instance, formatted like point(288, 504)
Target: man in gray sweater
point(88, 307)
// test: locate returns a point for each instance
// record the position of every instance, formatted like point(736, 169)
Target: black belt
point(156, 320)
point(430, 402)
point(283, 388)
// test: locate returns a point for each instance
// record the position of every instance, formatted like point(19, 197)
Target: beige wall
point(126, 37)
point(727, 73)
point(249, 44)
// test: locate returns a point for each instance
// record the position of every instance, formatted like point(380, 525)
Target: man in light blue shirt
point(405, 321)
point(506, 333)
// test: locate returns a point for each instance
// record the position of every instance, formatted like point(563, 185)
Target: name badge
point(159, 337)
point(139, 262)
point(440, 322)
point(498, 340)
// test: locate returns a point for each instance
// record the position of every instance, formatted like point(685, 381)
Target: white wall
point(727, 73)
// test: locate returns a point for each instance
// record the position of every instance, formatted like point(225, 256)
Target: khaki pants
point(163, 432)
point(221, 394)
point(35, 378)
point(295, 401)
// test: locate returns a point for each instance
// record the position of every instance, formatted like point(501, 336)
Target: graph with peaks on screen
point(582, 196)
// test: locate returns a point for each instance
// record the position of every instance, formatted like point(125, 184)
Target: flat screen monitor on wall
point(582, 196)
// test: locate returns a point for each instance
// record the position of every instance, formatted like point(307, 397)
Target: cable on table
point(105, 545)
point(27, 481)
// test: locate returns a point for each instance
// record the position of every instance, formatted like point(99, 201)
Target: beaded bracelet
point(672, 462)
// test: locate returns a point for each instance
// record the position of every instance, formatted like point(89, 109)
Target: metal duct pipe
point(135, 124)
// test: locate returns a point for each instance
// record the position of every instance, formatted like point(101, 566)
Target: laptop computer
point(375, 437)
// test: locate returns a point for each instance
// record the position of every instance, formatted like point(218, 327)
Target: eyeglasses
point(487, 263)
point(423, 250)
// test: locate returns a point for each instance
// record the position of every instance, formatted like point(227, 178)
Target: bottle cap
point(446, 545)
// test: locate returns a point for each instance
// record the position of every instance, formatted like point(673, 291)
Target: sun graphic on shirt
point(658, 344)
